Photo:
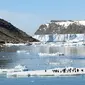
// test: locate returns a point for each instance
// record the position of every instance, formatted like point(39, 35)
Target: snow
point(60, 37)
point(47, 25)
point(67, 23)
point(11, 44)
point(82, 22)
point(69, 71)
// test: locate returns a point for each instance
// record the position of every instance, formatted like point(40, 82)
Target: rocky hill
point(10, 33)
point(62, 27)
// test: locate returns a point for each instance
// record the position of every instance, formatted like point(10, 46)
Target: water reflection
point(28, 55)
point(79, 51)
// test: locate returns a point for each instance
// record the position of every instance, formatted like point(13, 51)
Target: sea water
point(28, 55)
point(77, 80)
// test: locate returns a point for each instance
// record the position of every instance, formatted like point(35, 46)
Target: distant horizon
point(29, 15)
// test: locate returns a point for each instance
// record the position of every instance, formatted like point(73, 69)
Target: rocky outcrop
point(62, 27)
point(9, 33)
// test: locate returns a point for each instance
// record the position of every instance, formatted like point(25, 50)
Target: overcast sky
point(28, 15)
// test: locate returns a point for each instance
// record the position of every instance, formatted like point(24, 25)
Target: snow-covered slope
point(68, 22)
point(62, 27)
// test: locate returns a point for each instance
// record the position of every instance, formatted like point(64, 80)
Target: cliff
point(62, 27)
point(10, 33)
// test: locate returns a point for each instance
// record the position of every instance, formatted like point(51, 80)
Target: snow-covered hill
point(68, 22)
point(61, 30)
point(62, 27)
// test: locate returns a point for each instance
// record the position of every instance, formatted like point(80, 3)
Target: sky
point(28, 15)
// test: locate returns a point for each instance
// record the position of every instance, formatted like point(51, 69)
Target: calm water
point(28, 55)
point(44, 81)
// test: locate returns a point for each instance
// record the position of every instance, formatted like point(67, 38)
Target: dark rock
point(9, 33)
